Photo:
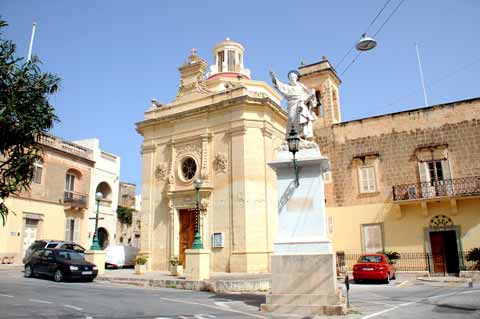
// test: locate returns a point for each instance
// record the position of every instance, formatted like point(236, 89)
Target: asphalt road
point(42, 298)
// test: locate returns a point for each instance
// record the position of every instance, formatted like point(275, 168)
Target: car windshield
point(370, 259)
point(68, 255)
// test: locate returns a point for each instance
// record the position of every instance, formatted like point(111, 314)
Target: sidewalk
point(11, 267)
point(218, 282)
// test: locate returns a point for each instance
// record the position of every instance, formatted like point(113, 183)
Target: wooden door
point(438, 251)
point(187, 232)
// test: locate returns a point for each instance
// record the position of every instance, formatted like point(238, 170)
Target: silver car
point(57, 244)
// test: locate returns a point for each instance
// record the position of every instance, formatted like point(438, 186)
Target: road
point(42, 298)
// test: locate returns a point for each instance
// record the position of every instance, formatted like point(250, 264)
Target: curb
point(217, 286)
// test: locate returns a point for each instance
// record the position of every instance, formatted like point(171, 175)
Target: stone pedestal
point(197, 264)
point(303, 264)
point(96, 257)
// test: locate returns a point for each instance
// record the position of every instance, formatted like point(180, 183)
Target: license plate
point(87, 272)
point(367, 268)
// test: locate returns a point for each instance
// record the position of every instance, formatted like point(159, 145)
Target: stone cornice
point(213, 107)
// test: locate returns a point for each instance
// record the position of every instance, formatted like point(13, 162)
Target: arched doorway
point(103, 237)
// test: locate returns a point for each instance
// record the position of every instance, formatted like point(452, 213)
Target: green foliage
point(124, 215)
point(25, 116)
point(474, 255)
point(141, 260)
point(174, 261)
point(392, 255)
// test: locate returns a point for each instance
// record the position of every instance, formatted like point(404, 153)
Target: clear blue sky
point(115, 56)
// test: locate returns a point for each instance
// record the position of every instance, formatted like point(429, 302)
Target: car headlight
point(73, 268)
point(95, 268)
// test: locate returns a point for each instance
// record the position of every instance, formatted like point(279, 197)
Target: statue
point(301, 101)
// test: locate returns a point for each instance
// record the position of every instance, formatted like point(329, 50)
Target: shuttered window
point(72, 229)
point(231, 61)
point(367, 179)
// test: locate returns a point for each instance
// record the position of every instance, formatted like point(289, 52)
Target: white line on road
point(39, 301)
point(73, 307)
point(402, 283)
point(9, 296)
point(222, 304)
point(386, 310)
point(215, 307)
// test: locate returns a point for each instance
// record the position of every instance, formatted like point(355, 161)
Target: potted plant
point(474, 255)
point(140, 265)
point(177, 268)
point(392, 255)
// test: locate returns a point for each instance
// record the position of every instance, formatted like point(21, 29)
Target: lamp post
point(95, 243)
point(293, 141)
point(197, 243)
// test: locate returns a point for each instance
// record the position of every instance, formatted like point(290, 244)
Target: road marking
point(222, 304)
point(402, 283)
point(386, 310)
point(73, 307)
point(375, 303)
point(9, 296)
point(409, 303)
point(215, 307)
point(39, 301)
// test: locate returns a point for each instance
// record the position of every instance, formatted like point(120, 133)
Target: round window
point(189, 168)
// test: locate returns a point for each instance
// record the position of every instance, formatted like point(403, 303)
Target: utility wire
point(368, 28)
point(378, 31)
point(391, 14)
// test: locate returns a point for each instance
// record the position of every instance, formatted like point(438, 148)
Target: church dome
point(228, 60)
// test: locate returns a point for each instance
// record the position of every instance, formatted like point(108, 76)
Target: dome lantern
point(228, 60)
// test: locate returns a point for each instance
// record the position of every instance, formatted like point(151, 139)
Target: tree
point(25, 116)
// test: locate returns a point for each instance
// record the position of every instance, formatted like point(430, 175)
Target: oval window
point(189, 168)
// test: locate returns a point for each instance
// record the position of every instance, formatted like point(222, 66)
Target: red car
point(373, 267)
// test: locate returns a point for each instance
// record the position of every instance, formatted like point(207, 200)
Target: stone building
point(105, 179)
point(56, 205)
point(221, 129)
point(407, 181)
point(128, 233)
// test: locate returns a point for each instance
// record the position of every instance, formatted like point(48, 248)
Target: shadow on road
point(249, 299)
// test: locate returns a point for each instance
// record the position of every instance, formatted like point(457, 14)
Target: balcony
point(458, 187)
point(75, 200)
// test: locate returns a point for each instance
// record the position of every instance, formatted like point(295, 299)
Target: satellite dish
point(365, 43)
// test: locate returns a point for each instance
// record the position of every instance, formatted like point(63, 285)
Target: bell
point(365, 43)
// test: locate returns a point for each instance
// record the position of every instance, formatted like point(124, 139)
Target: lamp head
point(198, 183)
point(293, 141)
point(365, 43)
point(99, 196)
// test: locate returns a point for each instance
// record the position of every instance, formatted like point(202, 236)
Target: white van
point(118, 256)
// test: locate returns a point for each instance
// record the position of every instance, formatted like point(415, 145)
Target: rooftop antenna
point(421, 75)
point(31, 41)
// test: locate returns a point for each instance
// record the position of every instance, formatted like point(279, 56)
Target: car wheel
point(394, 276)
point(90, 279)
point(58, 275)
point(28, 271)
point(357, 281)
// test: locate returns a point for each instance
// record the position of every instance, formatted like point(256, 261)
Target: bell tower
point(228, 60)
point(323, 78)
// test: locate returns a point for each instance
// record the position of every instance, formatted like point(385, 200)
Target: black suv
point(59, 244)
point(62, 264)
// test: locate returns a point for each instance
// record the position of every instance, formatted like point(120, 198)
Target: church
point(413, 172)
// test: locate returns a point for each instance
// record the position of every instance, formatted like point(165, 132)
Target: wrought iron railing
point(465, 186)
point(411, 262)
point(75, 199)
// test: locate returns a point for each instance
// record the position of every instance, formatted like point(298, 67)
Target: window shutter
point(76, 233)
point(423, 172)
point(67, 229)
point(446, 170)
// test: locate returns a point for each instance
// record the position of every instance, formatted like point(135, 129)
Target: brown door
point(187, 231)
point(438, 252)
point(445, 252)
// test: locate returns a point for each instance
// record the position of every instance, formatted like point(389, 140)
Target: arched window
point(37, 171)
point(106, 190)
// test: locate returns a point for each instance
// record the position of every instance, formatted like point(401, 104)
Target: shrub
point(474, 255)
point(392, 255)
point(141, 260)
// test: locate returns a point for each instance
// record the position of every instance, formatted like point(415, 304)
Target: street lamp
point(95, 244)
point(365, 43)
point(197, 243)
point(293, 141)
